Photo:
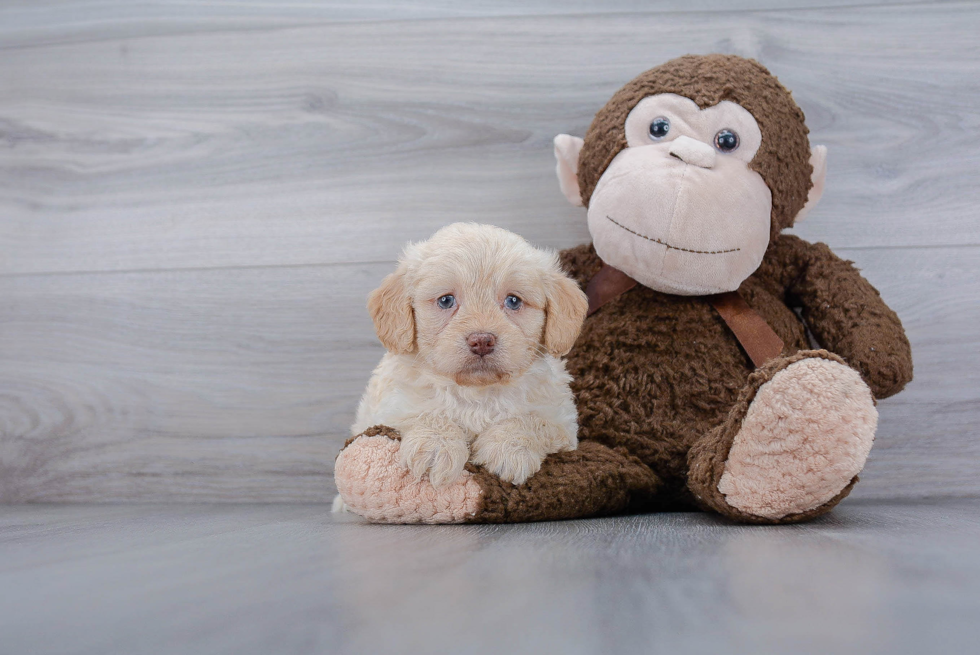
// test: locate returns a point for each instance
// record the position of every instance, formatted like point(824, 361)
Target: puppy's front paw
point(507, 452)
point(443, 457)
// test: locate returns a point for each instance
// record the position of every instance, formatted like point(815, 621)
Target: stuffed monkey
point(694, 377)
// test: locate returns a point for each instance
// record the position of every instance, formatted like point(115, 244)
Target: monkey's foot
point(792, 446)
point(592, 480)
point(374, 485)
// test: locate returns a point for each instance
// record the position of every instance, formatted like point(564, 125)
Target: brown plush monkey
point(693, 375)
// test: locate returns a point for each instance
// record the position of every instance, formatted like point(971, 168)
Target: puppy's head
point(478, 304)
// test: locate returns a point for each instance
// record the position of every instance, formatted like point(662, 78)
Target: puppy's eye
point(659, 127)
point(726, 141)
point(513, 302)
point(447, 302)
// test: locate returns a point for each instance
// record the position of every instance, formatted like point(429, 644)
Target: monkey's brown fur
point(783, 160)
point(656, 376)
point(661, 382)
point(661, 378)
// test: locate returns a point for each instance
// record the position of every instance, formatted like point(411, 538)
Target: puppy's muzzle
point(481, 343)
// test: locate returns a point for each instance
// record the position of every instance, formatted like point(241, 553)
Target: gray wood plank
point(225, 384)
point(337, 142)
point(255, 166)
point(927, 437)
point(870, 578)
point(32, 22)
point(240, 384)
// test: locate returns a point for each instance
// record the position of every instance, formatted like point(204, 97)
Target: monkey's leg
point(792, 445)
point(591, 481)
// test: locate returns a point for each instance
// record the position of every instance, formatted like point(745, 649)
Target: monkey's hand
point(847, 315)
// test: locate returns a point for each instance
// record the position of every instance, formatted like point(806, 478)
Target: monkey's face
point(690, 169)
point(679, 209)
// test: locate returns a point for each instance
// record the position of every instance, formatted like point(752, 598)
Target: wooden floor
point(873, 577)
point(195, 199)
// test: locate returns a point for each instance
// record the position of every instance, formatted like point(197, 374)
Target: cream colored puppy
point(475, 321)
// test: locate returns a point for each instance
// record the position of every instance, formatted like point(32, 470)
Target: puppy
point(475, 321)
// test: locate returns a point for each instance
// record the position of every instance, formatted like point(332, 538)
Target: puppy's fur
point(512, 406)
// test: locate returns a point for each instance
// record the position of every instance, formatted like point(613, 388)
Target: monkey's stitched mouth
point(670, 247)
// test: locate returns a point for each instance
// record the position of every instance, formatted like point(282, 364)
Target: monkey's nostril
point(692, 151)
point(481, 343)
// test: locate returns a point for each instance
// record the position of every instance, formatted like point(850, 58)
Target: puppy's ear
point(564, 313)
point(390, 306)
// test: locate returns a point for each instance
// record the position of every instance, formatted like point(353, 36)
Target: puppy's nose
point(481, 343)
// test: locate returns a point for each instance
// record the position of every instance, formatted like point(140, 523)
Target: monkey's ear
point(818, 159)
point(390, 306)
point(567, 148)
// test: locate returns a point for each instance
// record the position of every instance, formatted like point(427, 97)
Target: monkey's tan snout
point(694, 152)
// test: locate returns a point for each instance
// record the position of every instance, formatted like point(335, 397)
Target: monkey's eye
point(513, 302)
point(659, 128)
point(726, 141)
point(447, 302)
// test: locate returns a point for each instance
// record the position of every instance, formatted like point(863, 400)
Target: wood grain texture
point(195, 202)
point(876, 577)
point(241, 384)
point(30, 23)
point(235, 384)
point(336, 143)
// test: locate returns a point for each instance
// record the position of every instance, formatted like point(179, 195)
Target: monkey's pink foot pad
point(372, 484)
point(805, 436)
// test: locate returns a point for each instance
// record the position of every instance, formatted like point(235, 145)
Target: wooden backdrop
point(195, 199)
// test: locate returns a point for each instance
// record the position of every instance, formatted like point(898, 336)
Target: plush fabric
point(373, 484)
point(805, 436)
point(655, 373)
point(567, 149)
point(818, 162)
point(783, 159)
point(698, 124)
point(591, 481)
point(648, 234)
point(661, 386)
point(672, 413)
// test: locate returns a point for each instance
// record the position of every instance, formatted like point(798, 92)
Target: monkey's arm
point(845, 313)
